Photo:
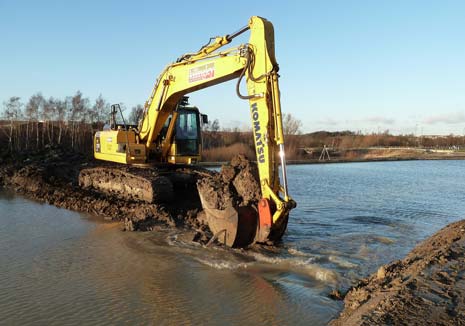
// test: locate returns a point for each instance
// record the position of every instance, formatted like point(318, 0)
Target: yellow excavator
point(169, 131)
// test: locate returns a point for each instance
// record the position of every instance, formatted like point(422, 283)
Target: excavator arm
point(209, 66)
point(257, 63)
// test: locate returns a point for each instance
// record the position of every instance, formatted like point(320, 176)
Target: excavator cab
point(185, 143)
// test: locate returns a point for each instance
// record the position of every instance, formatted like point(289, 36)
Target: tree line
point(71, 122)
point(66, 122)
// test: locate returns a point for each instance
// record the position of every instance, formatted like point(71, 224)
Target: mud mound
point(427, 287)
point(236, 185)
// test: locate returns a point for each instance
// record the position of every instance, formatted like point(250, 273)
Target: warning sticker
point(204, 72)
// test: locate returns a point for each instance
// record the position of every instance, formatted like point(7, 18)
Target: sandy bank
point(427, 287)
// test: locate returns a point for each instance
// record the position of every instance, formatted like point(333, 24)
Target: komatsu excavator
point(169, 131)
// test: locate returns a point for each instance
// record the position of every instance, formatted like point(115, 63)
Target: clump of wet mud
point(229, 200)
point(236, 185)
point(427, 287)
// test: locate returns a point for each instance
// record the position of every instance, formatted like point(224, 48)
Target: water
point(63, 268)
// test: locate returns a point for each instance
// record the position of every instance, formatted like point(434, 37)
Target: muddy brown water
point(63, 268)
point(59, 267)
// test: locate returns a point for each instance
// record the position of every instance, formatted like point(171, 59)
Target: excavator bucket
point(232, 224)
point(234, 227)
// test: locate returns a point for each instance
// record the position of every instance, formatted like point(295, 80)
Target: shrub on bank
point(225, 153)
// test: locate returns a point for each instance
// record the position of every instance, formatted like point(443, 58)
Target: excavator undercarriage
point(227, 201)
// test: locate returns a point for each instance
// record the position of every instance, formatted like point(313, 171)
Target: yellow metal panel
point(181, 159)
point(110, 145)
point(113, 157)
point(121, 136)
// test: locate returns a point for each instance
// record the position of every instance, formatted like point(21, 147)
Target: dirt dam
point(427, 287)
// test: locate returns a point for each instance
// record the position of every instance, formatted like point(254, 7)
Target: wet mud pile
point(427, 287)
point(236, 185)
point(230, 200)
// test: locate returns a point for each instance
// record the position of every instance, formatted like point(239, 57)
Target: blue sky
point(358, 65)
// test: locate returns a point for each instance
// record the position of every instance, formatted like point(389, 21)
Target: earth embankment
point(427, 287)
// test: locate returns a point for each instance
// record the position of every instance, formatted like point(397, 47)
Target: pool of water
point(64, 268)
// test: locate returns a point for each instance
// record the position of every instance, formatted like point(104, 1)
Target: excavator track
point(144, 185)
point(148, 184)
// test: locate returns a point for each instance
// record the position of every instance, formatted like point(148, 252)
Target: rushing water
point(63, 268)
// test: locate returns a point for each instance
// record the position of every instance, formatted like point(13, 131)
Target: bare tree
point(96, 114)
point(60, 114)
point(210, 136)
point(291, 126)
point(12, 111)
point(79, 105)
point(100, 109)
point(212, 126)
point(48, 114)
point(136, 114)
point(33, 109)
point(77, 114)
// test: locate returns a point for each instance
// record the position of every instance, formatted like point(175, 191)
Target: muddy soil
point(236, 185)
point(52, 177)
point(427, 287)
